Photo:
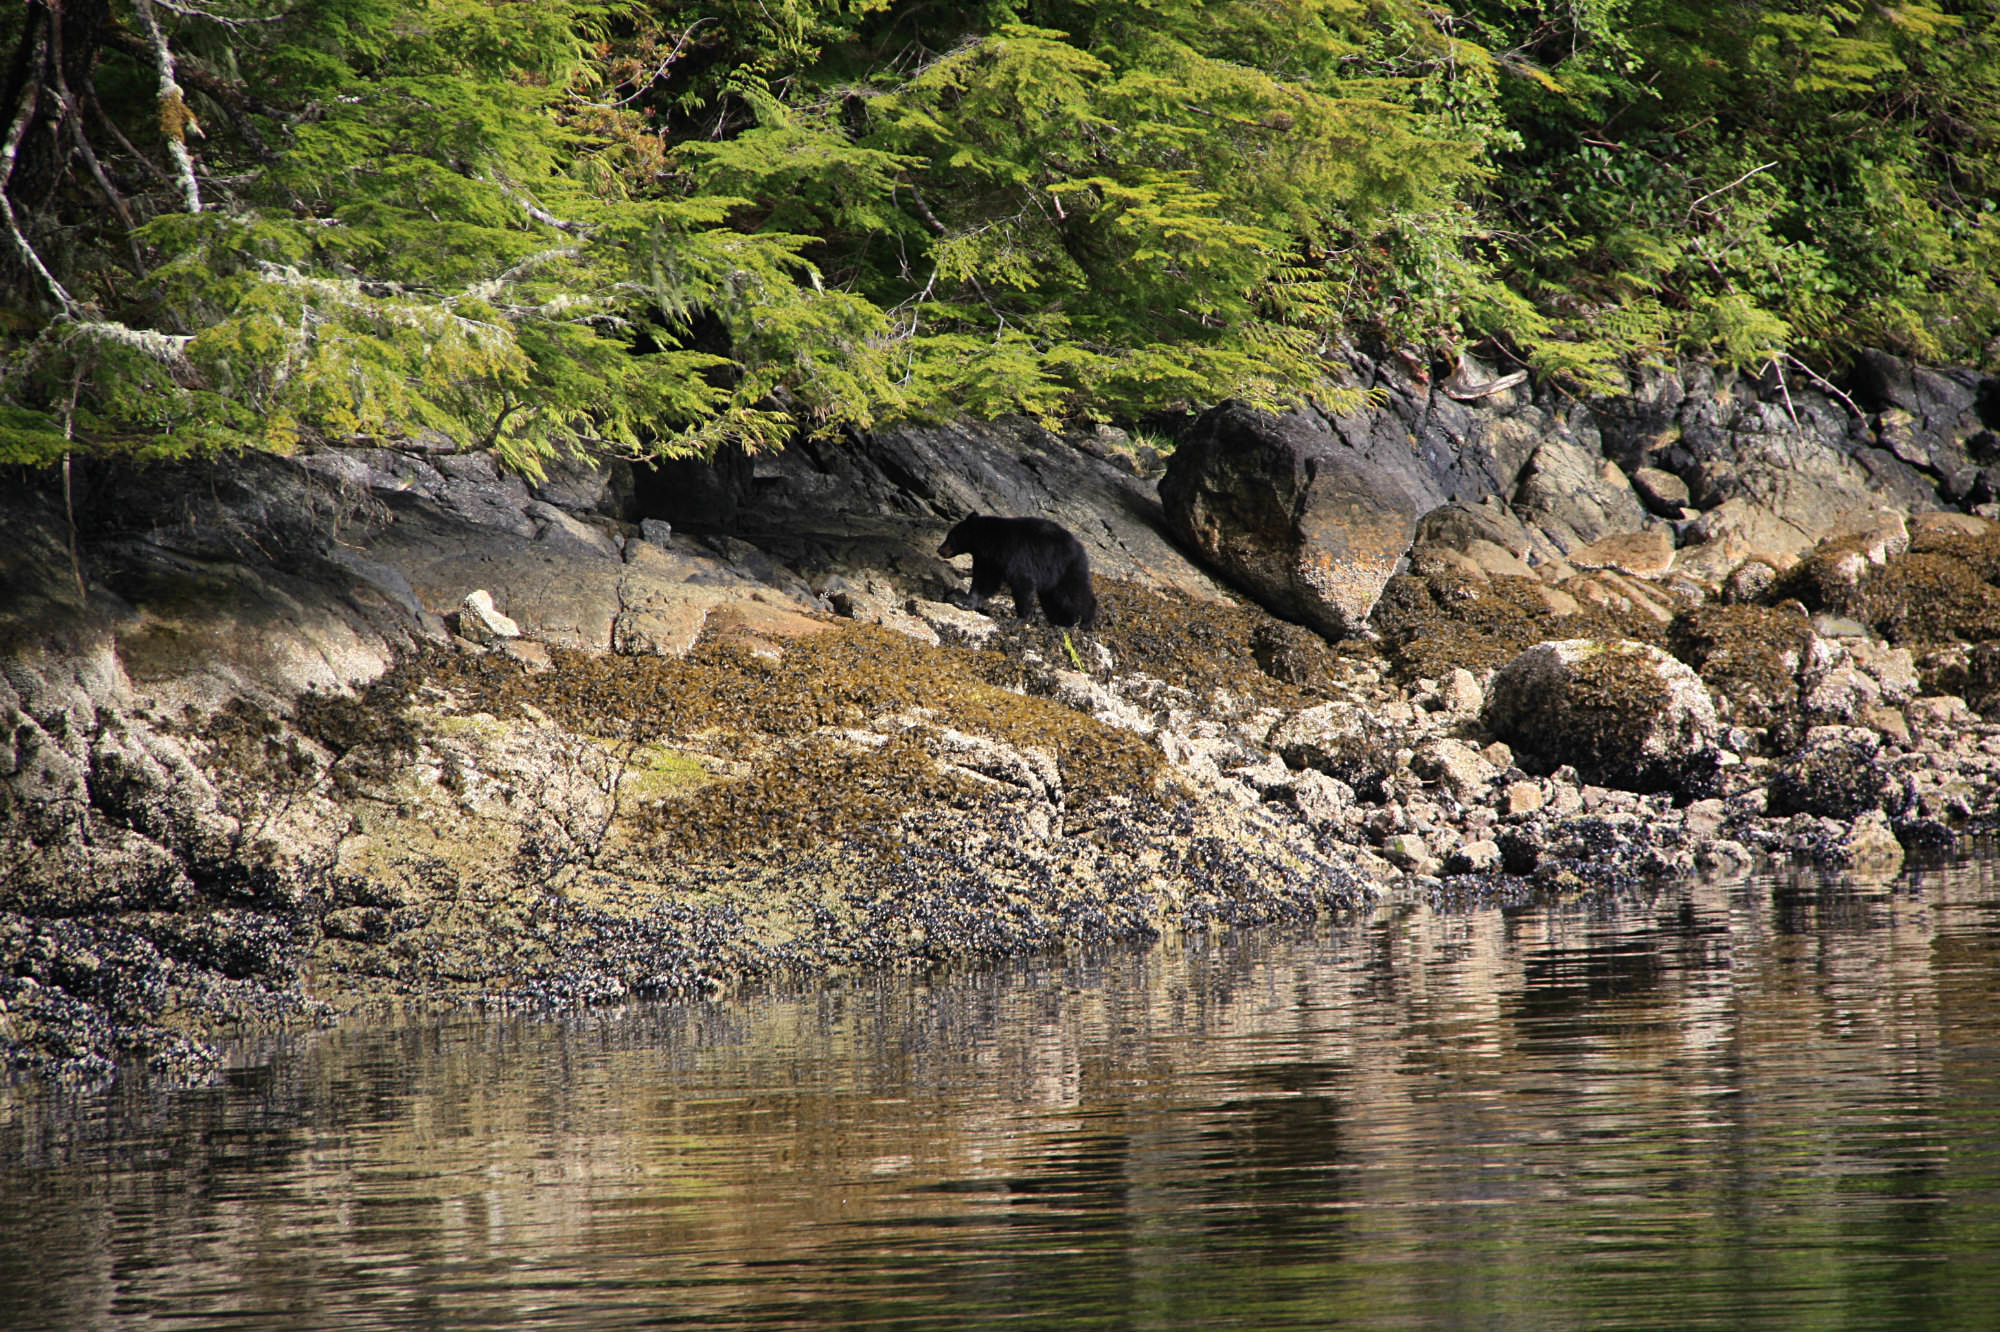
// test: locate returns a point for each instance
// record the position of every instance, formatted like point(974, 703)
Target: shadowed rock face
point(1289, 514)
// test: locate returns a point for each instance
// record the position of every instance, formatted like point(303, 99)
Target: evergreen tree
point(666, 226)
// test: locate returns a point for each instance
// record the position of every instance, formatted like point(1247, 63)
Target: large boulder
point(1623, 714)
point(1288, 512)
point(1575, 496)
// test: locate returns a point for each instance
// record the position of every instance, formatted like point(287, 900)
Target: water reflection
point(1763, 1105)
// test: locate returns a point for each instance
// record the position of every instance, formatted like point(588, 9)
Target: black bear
point(1035, 558)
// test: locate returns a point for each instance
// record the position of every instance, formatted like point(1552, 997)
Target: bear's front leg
point(985, 582)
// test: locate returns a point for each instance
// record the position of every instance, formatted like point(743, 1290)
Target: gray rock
point(1459, 693)
point(1465, 526)
point(1322, 801)
point(555, 527)
point(1662, 492)
point(1521, 799)
point(1842, 695)
point(1576, 497)
point(587, 485)
point(1342, 741)
point(1455, 766)
point(1409, 851)
point(1870, 847)
point(1288, 513)
point(1749, 582)
point(1476, 857)
point(480, 621)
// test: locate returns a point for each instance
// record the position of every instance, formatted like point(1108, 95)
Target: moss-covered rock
point(1623, 713)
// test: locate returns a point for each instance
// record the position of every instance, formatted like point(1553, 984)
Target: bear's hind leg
point(1071, 601)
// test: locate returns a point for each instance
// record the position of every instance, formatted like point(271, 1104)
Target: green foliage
point(659, 226)
point(1797, 176)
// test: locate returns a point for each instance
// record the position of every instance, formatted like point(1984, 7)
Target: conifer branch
point(394, 307)
point(131, 149)
point(924, 211)
point(221, 20)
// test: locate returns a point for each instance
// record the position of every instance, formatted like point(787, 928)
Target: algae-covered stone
point(1343, 741)
point(1623, 713)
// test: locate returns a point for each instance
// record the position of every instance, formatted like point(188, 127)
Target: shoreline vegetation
point(383, 726)
point(471, 474)
point(663, 229)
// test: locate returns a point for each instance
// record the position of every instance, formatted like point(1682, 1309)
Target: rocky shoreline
point(270, 759)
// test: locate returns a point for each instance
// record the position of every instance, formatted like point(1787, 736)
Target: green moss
point(477, 725)
point(657, 772)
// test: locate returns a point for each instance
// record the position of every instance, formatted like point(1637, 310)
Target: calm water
point(1764, 1105)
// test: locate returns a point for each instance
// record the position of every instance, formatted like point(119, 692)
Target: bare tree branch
point(534, 210)
point(175, 118)
point(72, 119)
point(235, 101)
point(9, 150)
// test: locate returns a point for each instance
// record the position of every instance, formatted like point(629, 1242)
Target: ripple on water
point(1750, 1105)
